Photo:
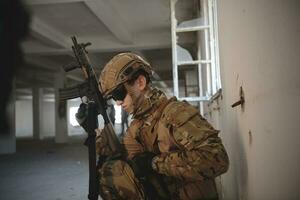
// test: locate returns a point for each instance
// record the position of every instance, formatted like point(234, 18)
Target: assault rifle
point(90, 89)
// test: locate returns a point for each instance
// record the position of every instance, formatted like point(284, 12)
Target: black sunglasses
point(119, 93)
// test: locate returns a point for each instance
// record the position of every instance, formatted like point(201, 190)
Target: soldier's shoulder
point(177, 113)
point(133, 127)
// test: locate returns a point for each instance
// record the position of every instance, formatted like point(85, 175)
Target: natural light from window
point(73, 111)
point(118, 114)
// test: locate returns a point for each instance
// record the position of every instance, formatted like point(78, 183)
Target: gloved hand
point(142, 164)
point(86, 116)
point(155, 187)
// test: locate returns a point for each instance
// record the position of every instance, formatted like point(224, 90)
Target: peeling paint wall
point(260, 51)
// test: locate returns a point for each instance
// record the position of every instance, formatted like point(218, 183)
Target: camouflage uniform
point(189, 152)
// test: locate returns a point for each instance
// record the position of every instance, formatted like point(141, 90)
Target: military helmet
point(120, 69)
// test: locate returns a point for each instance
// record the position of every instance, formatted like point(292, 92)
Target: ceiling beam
point(33, 79)
point(38, 2)
point(108, 14)
point(35, 73)
point(144, 41)
point(44, 63)
point(39, 72)
point(48, 34)
point(27, 91)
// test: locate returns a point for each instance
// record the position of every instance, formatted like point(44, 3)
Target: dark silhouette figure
point(124, 118)
point(14, 26)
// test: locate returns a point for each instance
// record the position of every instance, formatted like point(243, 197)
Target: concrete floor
point(43, 170)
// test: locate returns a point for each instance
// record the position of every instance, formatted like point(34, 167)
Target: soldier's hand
point(86, 116)
point(142, 164)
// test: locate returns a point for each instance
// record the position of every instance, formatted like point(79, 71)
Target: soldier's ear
point(141, 82)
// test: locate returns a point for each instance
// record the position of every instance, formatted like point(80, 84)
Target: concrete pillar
point(61, 128)
point(8, 139)
point(37, 106)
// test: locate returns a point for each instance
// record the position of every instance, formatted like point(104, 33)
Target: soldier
point(172, 152)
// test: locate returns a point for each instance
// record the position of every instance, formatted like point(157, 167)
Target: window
point(72, 112)
point(196, 73)
point(118, 116)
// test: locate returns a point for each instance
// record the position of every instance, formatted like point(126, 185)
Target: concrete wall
point(48, 119)
point(259, 50)
point(24, 119)
point(24, 122)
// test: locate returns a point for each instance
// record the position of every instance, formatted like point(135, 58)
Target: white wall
point(24, 124)
point(24, 119)
point(48, 119)
point(259, 50)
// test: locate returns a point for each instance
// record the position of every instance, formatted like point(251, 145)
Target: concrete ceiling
point(112, 26)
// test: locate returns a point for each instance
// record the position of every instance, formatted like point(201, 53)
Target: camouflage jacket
point(188, 148)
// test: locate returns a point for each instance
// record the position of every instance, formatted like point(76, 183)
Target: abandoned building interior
point(237, 61)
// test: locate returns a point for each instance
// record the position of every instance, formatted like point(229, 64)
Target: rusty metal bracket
point(241, 101)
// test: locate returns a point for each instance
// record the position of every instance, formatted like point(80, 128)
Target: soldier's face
point(134, 94)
